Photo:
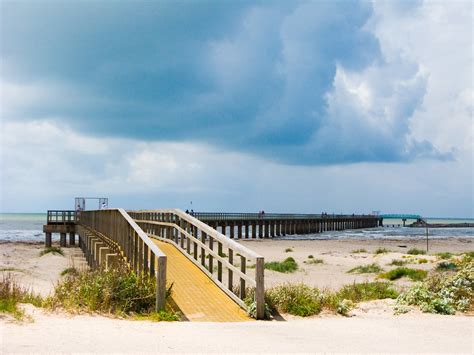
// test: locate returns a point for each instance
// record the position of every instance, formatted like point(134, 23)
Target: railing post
point(161, 284)
point(260, 289)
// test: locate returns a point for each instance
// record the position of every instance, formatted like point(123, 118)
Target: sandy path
point(403, 334)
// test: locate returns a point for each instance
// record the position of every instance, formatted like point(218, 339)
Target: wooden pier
point(135, 239)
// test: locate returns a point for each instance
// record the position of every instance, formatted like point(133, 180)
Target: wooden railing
point(211, 251)
point(140, 253)
point(61, 217)
point(225, 216)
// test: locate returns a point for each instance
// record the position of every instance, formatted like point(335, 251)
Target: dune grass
point(288, 265)
point(11, 294)
point(366, 269)
point(446, 266)
point(413, 274)
point(314, 261)
point(288, 250)
point(398, 262)
point(303, 300)
point(445, 255)
point(358, 251)
point(381, 251)
point(69, 271)
point(52, 250)
point(415, 251)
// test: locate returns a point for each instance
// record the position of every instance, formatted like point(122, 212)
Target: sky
point(285, 106)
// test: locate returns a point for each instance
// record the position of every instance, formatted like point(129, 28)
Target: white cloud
point(46, 172)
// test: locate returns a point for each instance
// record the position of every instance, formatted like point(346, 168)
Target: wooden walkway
point(196, 295)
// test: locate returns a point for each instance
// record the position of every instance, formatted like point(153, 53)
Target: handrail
point(60, 216)
point(192, 236)
point(139, 251)
point(225, 216)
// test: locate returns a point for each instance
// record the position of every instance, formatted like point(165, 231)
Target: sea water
point(29, 227)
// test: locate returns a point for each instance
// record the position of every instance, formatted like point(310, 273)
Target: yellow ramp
point(197, 296)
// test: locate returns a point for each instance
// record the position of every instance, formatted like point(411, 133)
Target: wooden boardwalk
point(195, 294)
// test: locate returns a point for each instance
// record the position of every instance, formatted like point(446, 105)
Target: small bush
point(288, 250)
point(366, 269)
point(344, 307)
point(358, 251)
point(445, 255)
point(415, 251)
point(161, 316)
point(11, 293)
point(117, 291)
point(413, 274)
point(398, 262)
point(69, 271)
point(381, 251)
point(367, 291)
point(446, 266)
point(299, 300)
point(442, 293)
point(314, 261)
point(310, 256)
point(288, 265)
point(52, 250)
point(422, 261)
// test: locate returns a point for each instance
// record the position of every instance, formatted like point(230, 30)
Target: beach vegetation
point(358, 251)
point(416, 251)
point(446, 266)
point(314, 261)
point(288, 265)
point(443, 293)
point(69, 271)
point(366, 269)
point(445, 255)
point(288, 250)
point(413, 274)
point(11, 294)
point(115, 291)
point(303, 300)
point(52, 250)
point(381, 251)
point(398, 262)
point(422, 261)
point(310, 256)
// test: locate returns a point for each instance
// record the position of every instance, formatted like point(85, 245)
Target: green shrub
point(366, 291)
point(52, 250)
point(300, 299)
point(314, 261)
point(161, 316)
point(11, 293)
point(381, 251)
point(69, 271)
point(310, 256)
point(413, 274)
point(442, 293)
point(398, 262)
point(288, 265)
point(422, 261)
point(117, 291)
point(446, 266)
point(445, 255)
point(344, 307)
point(358, 251)
point(415, 251)
point(288, 250)
point(366, 269)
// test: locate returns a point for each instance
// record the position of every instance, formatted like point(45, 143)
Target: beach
point(370, 327)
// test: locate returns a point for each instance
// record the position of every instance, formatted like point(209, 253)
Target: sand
point(371, 327)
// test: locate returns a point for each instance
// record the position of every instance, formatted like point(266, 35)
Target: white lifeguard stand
point(102, 203)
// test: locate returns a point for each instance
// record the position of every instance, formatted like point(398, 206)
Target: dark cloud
point(248, 76)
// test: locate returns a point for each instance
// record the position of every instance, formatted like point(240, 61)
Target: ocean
point(29, 227)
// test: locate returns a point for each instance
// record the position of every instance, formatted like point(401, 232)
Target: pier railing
point(61, 217)
point(225, 216)
point(211, 251)
point(141, 254)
